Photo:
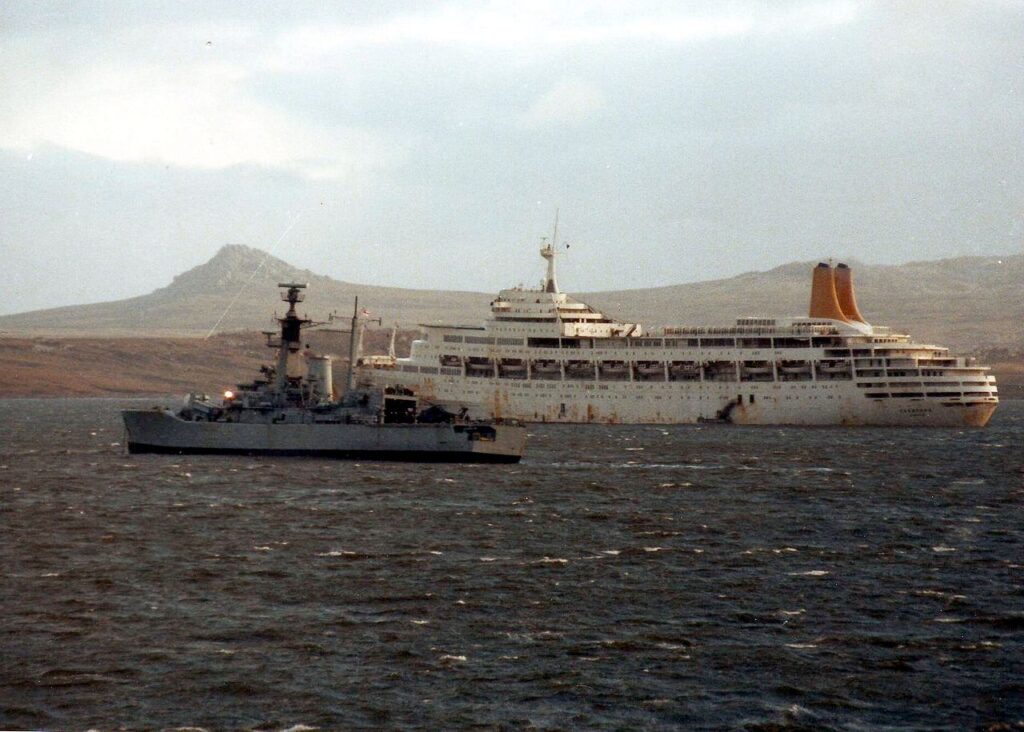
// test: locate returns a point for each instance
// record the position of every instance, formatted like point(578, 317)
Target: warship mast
point(291, 336)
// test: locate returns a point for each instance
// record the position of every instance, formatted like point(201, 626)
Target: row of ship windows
point(807, 342)
point(712, 371)
point(835, 344)
point(922, 395)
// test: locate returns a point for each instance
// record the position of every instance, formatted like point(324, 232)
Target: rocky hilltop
point(968, 303)
point(241, 282)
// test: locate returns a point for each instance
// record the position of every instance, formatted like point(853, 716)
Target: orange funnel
point(824, 302)
point(844, 291)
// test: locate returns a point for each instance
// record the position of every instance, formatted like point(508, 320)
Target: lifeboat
point(476, 366)
point(684, 371)
point(512, 368)
point(650, 370)
point(579, 370)
point(756, 371)
point(794, 370)
point(719, 371)
point(546, 369)
point(614, 370)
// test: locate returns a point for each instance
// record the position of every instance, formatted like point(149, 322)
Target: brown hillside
point(121, 366)
point(242, 282)
point(967, 303)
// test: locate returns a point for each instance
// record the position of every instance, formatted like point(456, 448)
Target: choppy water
point(619, 578)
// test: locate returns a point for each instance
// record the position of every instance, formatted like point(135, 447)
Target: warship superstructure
point(543, 356)
point(291, 410)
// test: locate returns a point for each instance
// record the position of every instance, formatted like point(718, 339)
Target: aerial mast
point(291, 334)
point(352, 349)
point(548, 252)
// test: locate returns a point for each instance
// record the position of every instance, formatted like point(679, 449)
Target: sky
point(412, 144)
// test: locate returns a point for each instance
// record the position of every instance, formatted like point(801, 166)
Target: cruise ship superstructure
point(544, 357)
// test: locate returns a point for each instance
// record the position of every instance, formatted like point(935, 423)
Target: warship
point(291, 410)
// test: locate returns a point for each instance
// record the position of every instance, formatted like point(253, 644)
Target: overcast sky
point(428, 146)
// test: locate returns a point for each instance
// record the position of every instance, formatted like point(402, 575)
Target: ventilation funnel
point(844, 291)
point(824, 302)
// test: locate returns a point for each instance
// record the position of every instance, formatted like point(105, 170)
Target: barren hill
point(968, 303)
point(242, 282)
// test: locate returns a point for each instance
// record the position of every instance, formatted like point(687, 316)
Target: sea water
point(630, 577)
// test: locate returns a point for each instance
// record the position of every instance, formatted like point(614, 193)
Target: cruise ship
point(543, 356)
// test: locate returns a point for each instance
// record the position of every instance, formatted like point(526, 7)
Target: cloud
point(163, 92)
point(192, 115)
point(569, 102)
point(533, 25)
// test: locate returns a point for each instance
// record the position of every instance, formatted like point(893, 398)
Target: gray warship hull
point(163, 431)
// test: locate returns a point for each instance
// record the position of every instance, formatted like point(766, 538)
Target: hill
point(967, 303)
point(241, 282)
point(119, 366)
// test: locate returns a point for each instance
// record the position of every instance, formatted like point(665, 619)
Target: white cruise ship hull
point(162, 431)
point(802, 403)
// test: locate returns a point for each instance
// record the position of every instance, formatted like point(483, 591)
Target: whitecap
point(448, 658)
point(801, 645)
point(552, 560)
point(810, 573)
point(612, 552)
point(300, 728)
point(488, 559)
point(943, 549)
point(419, 622)
point(652, 548)
point(801, 611)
